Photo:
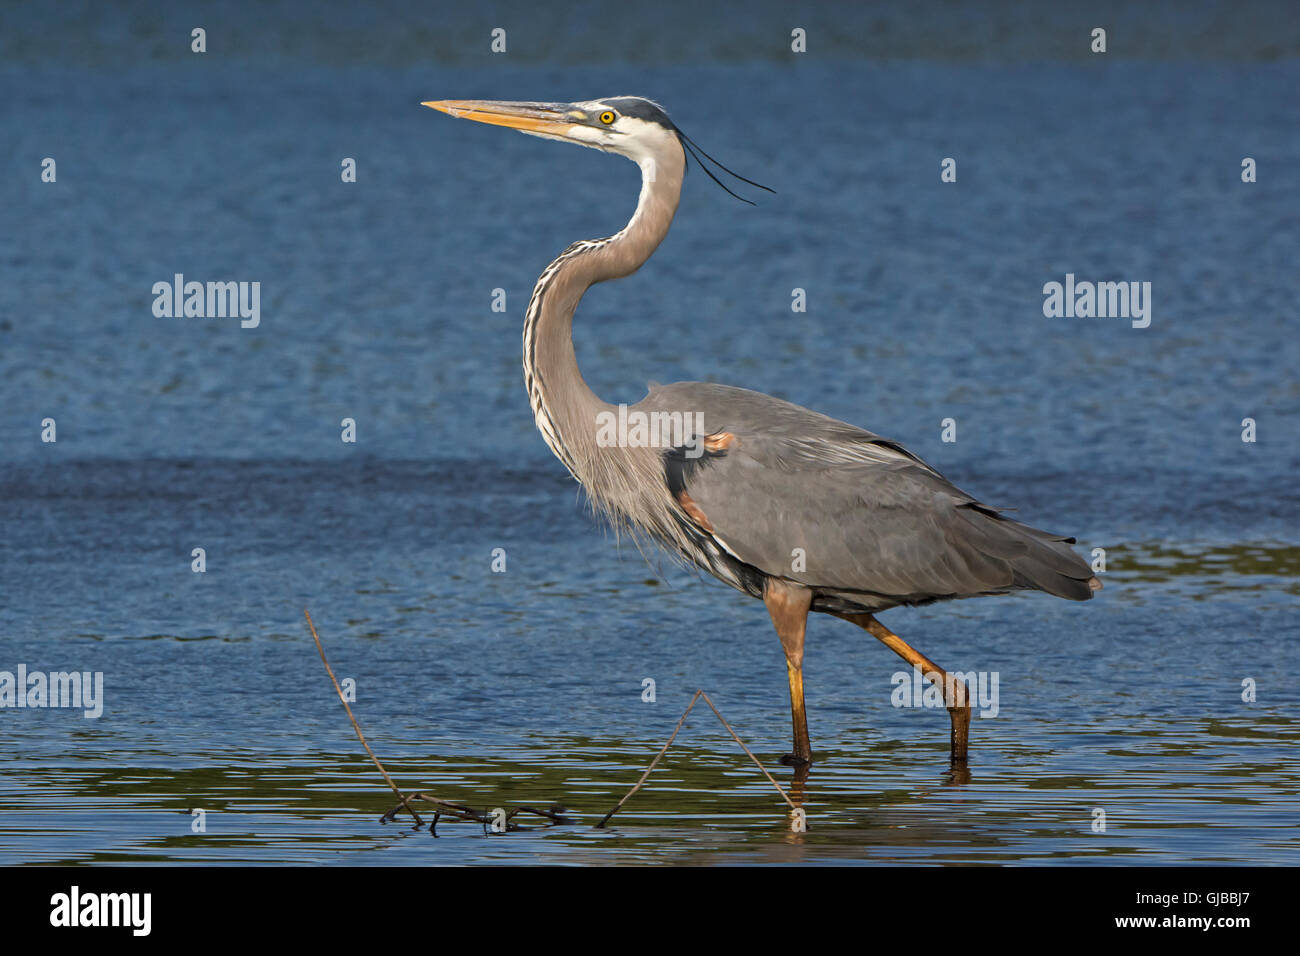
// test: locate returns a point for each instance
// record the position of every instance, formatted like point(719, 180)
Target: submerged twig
point(668, 743)
point(355, 726)
point(698, 694)
point(747, 750)
point(445, 807)
point(556, 813)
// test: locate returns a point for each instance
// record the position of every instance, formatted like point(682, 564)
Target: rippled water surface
point(525, 687)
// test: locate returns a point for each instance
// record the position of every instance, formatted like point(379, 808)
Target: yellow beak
point(548, 119)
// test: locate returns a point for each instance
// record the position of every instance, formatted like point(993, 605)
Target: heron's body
point(780, 502)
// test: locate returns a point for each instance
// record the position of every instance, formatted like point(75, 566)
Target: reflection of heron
point(784, 504)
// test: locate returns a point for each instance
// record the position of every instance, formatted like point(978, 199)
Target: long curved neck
point(564, 407)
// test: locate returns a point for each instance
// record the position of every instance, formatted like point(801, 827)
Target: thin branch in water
point(357, 727)
point(698, 694)
point(747, 750)
point(664, 750)
point(457, 811)
point(555, 813)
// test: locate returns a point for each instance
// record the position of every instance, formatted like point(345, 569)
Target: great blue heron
point(784, 504)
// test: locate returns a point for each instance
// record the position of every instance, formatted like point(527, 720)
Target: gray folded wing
point(805, 497)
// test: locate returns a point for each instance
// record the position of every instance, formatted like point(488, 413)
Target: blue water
point(524, 687)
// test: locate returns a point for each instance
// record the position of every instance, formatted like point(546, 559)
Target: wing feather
point(812, 499)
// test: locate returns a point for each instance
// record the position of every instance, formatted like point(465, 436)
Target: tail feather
point(1038, 560)
point(1034, 573)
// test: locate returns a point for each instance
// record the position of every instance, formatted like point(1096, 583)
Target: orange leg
point(955, 692)
point(788, 605)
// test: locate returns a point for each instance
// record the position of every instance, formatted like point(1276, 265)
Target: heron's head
point(628, 125)
point(631, 126)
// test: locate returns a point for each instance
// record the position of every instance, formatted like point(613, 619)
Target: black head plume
point(693, 149)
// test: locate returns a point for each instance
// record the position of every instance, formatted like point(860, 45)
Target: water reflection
point(875, 803)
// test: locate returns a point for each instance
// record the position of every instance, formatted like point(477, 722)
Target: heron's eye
point(607, 117)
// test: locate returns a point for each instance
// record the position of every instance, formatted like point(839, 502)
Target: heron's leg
point(954, 691)
point(788, 604)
